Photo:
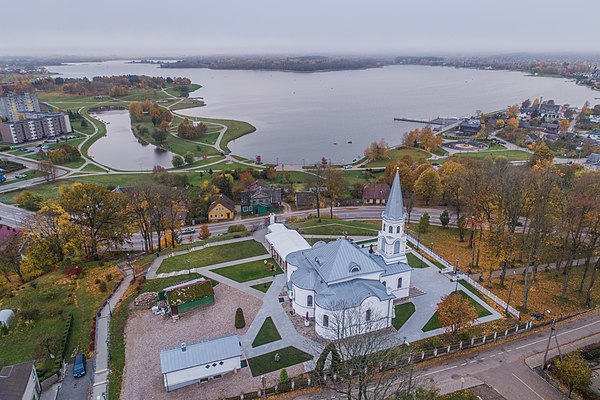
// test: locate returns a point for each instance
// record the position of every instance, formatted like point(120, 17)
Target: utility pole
point(552, 333)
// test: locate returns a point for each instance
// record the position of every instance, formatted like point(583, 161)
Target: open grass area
point(329, 226)
point(434, 321)
point(266, 363)
point(214, 255)
point(263, 287)
point(76, 125)
point(42, 306)
point(415, 262)
point(397, 154)
point(93, 168)
point(446, 243)
point(250, 271)
point(268, 333)
point(403, 313)
point(511, 155)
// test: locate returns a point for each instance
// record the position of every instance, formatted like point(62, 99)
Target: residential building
point(20, 382)
point(200, 362)
point(260, 200)
point(339, 281)
point(35, 126)
point(12, 104)
point(375, 193)
point(305, 200)
point(469, 127)
point(593, 162)
point(222, 208)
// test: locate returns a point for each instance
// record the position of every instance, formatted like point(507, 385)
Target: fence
point(448, 268)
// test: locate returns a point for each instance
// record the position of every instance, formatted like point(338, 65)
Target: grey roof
point(593, 158)
point(336, 260)
point(350, 294)
point(394, 208)
point(14, 380)
point(200, 353)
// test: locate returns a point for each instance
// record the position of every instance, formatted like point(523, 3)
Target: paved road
point(12, 216)
point(506, 367)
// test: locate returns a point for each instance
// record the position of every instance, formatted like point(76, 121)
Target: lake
point(120, 149)
point(301, 117)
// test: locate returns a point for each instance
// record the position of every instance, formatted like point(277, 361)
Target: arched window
point(397, 247)
point(398, 229)
point(325, 321)
point(399, 283)
point(391, 230)
point(309, 301)
point(384, 227)
point(368, 315)
point(383, 246)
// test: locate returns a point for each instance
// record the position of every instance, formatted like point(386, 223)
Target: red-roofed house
point(375, 193)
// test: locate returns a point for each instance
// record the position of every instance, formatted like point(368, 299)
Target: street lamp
point(189, 269)
point(109, 309)
point(510, 292)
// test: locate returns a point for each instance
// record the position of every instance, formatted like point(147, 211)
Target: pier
point(436, 121)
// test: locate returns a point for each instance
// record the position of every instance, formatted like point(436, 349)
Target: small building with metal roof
point(200, 362)
point(6, 317)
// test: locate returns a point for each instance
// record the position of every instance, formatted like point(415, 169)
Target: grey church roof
point(350, 294)
point(394, 208)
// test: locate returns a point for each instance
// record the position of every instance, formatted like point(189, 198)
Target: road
point(12, 216)
point(506, 367)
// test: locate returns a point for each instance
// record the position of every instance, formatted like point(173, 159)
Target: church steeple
point(391, 240)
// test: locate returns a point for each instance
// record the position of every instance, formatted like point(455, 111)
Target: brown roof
point(225, 201)
point(14, 380)
point(376, 191)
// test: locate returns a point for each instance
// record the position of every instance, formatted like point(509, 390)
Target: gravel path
point(146, 334)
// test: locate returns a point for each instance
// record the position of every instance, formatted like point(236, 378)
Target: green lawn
point(49, 299)
point(76, 125)
point(334, 226)
point(415, 261)
point(116, 362)
point(249, 271)
point(266, 363)
point(263, 287)
point(434, 321)
point(214, 255)
point(403, 313)
point(268, 333)
point(511, 155)
point(93, 168)
point(397, 154)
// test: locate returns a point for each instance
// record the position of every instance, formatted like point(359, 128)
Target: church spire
point(394, 209)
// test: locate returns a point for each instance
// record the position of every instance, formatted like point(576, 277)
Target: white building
point(345, 289)
point(200, 362)
point(20, 382)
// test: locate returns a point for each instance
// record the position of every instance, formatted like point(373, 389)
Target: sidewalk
point(100, 370)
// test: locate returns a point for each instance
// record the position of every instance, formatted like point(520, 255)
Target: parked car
point(2, 178)
point(79, 366)
point(538, 317)
point(188, 231)
point(20, 176)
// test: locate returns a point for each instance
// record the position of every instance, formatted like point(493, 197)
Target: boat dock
point(436, 121)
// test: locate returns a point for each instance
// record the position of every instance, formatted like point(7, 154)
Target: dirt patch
point(146, 334)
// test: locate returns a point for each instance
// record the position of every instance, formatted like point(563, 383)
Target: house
point(531, 138)
point(375, 193)
point(188, 295)
point(550, 127)
point(260, 200)
point(593, 162)
point(8, 233)
point(221, 209)
point(305, 200)
point(551, 137)
point(469, 127)
point(345, 289)
point(20, 382)
point(551, 111)
point(200, 362)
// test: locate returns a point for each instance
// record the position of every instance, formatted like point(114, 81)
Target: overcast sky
point(200, 27)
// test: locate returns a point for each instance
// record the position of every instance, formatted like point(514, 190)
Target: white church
point(341, 288)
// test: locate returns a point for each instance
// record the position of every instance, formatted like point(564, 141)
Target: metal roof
point(284, 240)
point(394, 208)
point(350, 294)
point(207, 351)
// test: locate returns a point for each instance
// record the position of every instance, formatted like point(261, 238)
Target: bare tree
point(48, 169)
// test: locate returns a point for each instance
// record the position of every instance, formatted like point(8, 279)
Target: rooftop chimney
point(183, 347)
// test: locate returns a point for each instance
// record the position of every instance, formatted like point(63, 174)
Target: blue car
point(79, 366)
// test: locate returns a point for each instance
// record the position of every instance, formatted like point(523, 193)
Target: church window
point(397, 247)
point(354, 267)
point(326, 321)
point(398, 229)
point(382, 246)
point(384, 227)
point(391, 230)
point(309, 301)
point(399, 283)
point(368, 315)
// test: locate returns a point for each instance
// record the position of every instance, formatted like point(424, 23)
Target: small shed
point(6, 317)
point(200, 362)
point(188, 295)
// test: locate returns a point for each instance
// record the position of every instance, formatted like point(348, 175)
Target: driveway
point(76, 388)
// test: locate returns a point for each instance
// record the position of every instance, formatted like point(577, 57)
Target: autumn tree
point(499, 123)
point(10, 255)
point(377, 150)
point(456, 313)
point(204, 232)
point(453, 176)
point(428, 185)
point(100, 214)
point(585, 110)
point(48, 170)
point(564, 125)
point(164, 126)
point(541, 152)
point(136, 112)
point(412, 138)
point(512, 124)
point(575, 371)
point(335, 184)
point(428, 139)
point(315, 183)
point(513, 111)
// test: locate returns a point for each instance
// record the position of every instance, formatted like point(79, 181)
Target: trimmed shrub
point(240, 321)
point(283, 376)
point(102, 286)
point(237, 228)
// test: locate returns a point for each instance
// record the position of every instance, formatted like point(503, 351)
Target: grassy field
point(265, 363)
point(397, 154)
point(403, 313)
point(263, 287)
point(434, 321)
point(446, 243)
point(415, 261)
point(93, 168)
point(268, 333)
point(334, 226)
point(214, 255)
point(511, 155)
point(249, 271)
point(42, 306)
